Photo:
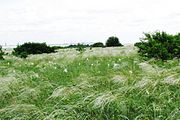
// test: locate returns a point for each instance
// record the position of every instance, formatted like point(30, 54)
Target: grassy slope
point(109, 83)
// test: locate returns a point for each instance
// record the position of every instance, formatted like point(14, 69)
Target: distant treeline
point(70, 46)
point(158, 45)
point(111, 42)
point(38, 48)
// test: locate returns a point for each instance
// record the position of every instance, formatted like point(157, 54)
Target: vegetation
point(159, 45)
point(80, 47)
point(57, 47)
point(32, 48)
point(98, 84)
point(77, 46)
point(113, 42)
point(98, 44)
point(94, 85)
point(1, 53)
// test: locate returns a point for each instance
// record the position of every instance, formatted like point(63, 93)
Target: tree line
point(158, 45)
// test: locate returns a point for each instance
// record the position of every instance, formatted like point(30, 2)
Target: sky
point(85, 21)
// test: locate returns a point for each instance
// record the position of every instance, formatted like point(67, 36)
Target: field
point(98, 84)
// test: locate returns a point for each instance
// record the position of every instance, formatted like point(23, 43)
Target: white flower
point(65, 70)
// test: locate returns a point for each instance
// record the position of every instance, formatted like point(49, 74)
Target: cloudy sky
point(73, 21)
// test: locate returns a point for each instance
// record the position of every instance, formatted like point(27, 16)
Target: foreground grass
point(110, 84)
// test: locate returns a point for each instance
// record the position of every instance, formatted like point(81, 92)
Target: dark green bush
point(98, 44)
point(32, 48)
point(23, 55)
point(159, 45)
point(77, 46)
point(113, 42)
point(80, 48)
point(1, 53)
point(57, 47)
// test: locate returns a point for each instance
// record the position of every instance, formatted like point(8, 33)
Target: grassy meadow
point(98, 84)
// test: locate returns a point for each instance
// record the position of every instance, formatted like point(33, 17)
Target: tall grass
point(92, 85)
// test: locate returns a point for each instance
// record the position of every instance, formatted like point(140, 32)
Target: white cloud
point(59, 21)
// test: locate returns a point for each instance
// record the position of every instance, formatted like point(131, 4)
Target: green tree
point(113, 41)
point(32, 48)
point(98, 44)
point(1, 53)
point(80, 48)
point(159, 45)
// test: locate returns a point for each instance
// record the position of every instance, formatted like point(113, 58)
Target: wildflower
point(65, 70)
point(147, 92)
point(36, 75)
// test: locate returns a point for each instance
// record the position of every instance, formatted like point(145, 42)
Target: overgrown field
point(99, 84)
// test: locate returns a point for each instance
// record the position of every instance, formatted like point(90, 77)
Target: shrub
point(98, 44)
point(23, 55)
point(159, 45)
point(32, 48)
point(80, 48)
point(57, 47)
point(1, 53)
point(113, 41)
point(77, 46)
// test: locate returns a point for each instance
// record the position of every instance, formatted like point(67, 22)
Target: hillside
point(99, 84)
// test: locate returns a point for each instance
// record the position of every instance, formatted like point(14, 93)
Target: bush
point(1, 53)
point(159, 45)
point(77, 46)
point(113, 41)
point(98, 44)
point(23, 55)
point(80, 48)
point(57, 47)
point(32, 48)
